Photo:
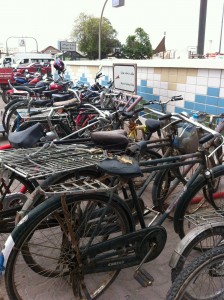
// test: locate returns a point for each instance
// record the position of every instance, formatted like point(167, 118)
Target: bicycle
point(89, 233)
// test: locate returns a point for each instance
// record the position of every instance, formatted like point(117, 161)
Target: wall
point(199, 81)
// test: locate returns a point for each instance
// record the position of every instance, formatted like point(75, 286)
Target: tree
point(138, 46)
point(86, 33)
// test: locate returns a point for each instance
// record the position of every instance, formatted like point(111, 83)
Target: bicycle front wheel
point(203, 278)
point(45, 263)
point(198, 240)
point(195, 208)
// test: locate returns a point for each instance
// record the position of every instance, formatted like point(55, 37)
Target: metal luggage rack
point(36, 163)
point(207, 217)
point(23, 113)
point(79, 186)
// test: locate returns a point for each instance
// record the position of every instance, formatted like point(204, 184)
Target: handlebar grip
point(98, 75)
point(167, 116)
point(206, 138)
point(139, 109)
point(177, 98)
point(149, 102)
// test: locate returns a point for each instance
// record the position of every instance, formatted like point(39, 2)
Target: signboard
point(117, 3)
point(22, 43)
point(67, 46)
point(125, 77)
point(192, 49)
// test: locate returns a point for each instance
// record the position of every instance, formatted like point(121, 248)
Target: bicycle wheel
point(203, 278)
point(146, 156)
point(170, 182)
point(198, 240)
point(194, 208)
point(161, 188)
point(6, 111)
point(10, 205)
point(43, 259)
point(12, 116)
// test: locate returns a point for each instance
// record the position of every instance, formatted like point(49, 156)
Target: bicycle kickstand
point(141, 275)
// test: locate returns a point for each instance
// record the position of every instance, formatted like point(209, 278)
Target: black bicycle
point(74, 244)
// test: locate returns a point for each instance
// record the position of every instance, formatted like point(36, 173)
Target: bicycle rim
point(44, 263)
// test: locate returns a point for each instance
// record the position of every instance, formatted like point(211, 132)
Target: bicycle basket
point(187, 140)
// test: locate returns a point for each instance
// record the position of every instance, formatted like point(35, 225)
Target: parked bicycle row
point(94, 222)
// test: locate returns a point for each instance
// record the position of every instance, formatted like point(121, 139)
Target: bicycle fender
point(184, 243)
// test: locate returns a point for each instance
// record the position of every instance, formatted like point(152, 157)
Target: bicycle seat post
point(136, 203)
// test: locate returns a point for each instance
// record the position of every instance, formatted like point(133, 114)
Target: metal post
point(201, 29)
point(100, 25)
point(220, 41)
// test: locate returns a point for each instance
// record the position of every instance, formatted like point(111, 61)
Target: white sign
point(67, 46)
point(125, 77)
point(192, 49)
point(22, 43)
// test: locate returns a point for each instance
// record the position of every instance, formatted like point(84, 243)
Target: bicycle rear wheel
point(43, 261)
point(203, 278)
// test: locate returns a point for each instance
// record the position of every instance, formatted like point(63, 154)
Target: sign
point(125, 77)
point(67, 46)
point(117, 3)
point(192, 49)
point(22, 43)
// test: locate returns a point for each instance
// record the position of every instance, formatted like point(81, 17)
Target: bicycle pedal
point(143, 277)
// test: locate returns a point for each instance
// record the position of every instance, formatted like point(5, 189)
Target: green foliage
point(138, 46)
point(86, 33)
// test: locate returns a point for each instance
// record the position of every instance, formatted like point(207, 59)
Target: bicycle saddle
point(152, 125)
point(26, 138)
point(110, 140)
point(117, 167)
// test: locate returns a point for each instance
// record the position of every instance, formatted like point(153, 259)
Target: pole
point(220, 41)
point(201, 29)
point(100, 25)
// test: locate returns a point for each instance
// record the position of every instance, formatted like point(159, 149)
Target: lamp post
point(115, 3)
point(220, 41)
point(100, 27)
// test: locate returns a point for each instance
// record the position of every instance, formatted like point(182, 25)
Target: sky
point(50, 21)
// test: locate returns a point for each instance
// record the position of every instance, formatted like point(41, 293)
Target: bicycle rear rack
point(207, 217)
point(37, 163)
point(76, 187)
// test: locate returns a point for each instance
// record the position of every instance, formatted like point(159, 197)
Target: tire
point(194, 209)
point(9, 208)
point(201, 279)
point(168, 184)
point(12, 114)
point(4, 96)
point(202, 240)
point(53, 256)
point(7, 109)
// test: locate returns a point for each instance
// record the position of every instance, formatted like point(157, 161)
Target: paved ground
point(126, 287)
